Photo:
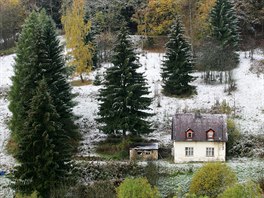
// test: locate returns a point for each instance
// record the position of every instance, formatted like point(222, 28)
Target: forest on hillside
point(148, 18)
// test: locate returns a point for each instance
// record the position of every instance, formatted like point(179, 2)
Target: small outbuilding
point(144, 151)
point(199, 137)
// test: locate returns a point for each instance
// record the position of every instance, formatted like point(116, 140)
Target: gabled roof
point(199, 124)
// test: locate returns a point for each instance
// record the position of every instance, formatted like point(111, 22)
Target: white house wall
point(199, 151)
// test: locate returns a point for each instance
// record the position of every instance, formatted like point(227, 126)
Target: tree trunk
point(81, 78)
point(124, 134)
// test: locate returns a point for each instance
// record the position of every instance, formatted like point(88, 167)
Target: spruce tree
point(45, 145)
point(224, 24)
point(26, 58)
point(40, 54)
point(43, 150)
point(224, 38)
point(178, 64)
point(123, 99)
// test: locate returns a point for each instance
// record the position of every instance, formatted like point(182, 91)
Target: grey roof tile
point(200, 124)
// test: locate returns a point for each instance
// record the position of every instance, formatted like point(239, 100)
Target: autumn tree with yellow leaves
point(76, 29)
point(204, 8)
point(157, 17)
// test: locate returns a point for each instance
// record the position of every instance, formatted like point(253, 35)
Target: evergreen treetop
point(123, 99)
point(224, 24)
point(40, 54)
point(178, 63)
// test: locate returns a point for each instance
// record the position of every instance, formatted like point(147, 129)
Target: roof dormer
point(210, 134)
point(189, 134)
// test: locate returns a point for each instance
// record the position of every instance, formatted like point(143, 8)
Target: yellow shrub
point(212, 179)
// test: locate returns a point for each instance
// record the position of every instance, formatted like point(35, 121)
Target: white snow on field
point(248, 100)
point(6, 70)
point(6, 161)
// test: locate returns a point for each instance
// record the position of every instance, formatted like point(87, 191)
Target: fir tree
point(224, 24)
point(43, 150)
point(40, 54)
point(224, 40)
point(53, 140)
point(123, 99)
point(178, 64)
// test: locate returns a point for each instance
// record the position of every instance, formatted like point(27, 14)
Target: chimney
point(197, 114)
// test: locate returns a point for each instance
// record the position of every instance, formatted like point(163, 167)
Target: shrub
point(261, 182)
point(222, 108)
point(233, 136)
point(137, 188)
point(249, 146)
point(94, 171)
point(97, 189)
point(12, 146)
point(115, 147)
point(194, 196)
point(212, 179)
point(152, 173)
point(33, 195)
point(249, 189)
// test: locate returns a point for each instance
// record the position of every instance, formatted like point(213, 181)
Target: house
point(199, 137)
point(144, 151)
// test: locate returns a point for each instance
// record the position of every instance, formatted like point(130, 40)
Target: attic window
point(210, 134)
point(189, 134)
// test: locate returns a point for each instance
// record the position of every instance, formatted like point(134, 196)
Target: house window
point(209, 152)
point(188, 151)
point(210, 135)
point(189, 134)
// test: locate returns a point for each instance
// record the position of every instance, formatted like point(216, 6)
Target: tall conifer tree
point(40, 54)
point(178, 64)
point(123, 99)
point(43, 150)
point(224, 24)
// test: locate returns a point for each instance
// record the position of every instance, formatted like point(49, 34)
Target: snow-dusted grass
point(247, 100)
point(179, 176)
point(5, 190)
point(6, 161)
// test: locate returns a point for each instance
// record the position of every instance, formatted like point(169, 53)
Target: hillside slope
point(247, 100)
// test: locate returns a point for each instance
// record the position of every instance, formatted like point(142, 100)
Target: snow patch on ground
point(6, 70)
point(7, 162)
